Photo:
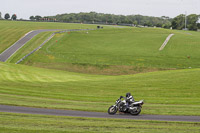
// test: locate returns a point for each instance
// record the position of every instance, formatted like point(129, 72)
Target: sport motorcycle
point(121, 105)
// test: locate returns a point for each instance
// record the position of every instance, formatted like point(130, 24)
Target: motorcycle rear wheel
point(112, 110)
point(137, 112)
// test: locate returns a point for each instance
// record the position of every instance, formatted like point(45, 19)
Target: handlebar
point(122, 97)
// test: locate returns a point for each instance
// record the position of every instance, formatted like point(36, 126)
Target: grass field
point(21, 123)
point(11, 31)
point(89, 71)
point(169, 92)
point(30, 46)
point(119, 51)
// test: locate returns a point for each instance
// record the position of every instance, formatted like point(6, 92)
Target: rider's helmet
point(128, 94)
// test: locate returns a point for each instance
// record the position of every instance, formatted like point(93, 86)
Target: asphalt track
point(21, 42)
point(57, 112)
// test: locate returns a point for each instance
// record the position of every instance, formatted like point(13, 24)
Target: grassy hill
point(167, 92)
point(82, 72)
point(119, 51)
point(11, 31)
point(110, 51)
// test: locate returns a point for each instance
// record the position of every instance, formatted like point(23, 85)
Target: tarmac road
point(21, 42)
point(42, 111)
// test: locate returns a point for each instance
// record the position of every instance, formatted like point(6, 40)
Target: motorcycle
point(121, 105)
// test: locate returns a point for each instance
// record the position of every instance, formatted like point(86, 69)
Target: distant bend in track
point(4, 56)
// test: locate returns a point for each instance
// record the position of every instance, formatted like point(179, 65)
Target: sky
point(26, 8)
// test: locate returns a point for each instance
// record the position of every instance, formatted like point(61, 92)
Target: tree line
point(101, 18)
point(191, 20)
point(178, 22)
point(7, 16)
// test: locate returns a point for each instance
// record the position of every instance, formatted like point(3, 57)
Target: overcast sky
point(26, 8)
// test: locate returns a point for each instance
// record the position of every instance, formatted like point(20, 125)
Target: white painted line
point(166, 41)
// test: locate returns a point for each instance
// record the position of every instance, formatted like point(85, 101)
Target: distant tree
point(192, 21)
point(7, 16)
point(0, 16)
point(178, 22)
point(148, 23)
point(165, 17)
point(14, 17)
point(38, 17)
point(32, 18)
point(198, 25)
point(135, 22)
point(158, 25)
point(166, 26)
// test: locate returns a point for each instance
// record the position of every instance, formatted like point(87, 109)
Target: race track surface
point(21, 42)
point(42, 111)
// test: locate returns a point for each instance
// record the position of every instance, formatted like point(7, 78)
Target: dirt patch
point(97, 69)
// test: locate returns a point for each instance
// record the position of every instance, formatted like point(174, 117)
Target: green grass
point(29, 46)
point(110, 51)
point(11, 31)
point(169, 92)
point(24, 123)
point(119, 51)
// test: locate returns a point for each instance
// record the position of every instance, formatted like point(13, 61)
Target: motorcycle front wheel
point(112, 110)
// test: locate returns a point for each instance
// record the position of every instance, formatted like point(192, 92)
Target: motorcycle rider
point(129, 99)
